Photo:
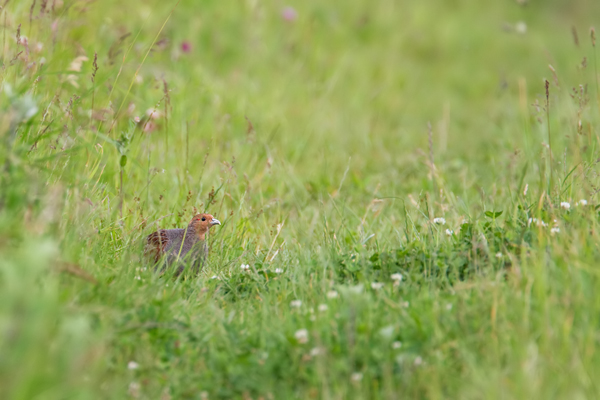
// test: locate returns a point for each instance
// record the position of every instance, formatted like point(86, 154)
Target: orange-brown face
point(202, 223)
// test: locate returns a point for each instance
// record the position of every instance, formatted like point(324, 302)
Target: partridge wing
point(157, 244)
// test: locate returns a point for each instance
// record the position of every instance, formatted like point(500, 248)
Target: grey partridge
point(181, 246)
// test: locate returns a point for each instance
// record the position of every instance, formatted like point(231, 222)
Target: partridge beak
point(215, 221)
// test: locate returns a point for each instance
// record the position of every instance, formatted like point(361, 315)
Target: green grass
point(309, 140)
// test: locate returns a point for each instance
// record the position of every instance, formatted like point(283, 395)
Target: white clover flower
point(278, 270)
point(315, 351)
point(449, 232)
point(296, 303)
point(132, 365)
point(387, 331)
point(301, 335)
point(357, 289)
point(555, 230)
point(582, 202)
point(396, 277)
point(322, 307)
point(332, 294)
point(245, 267)
point(356, 377)
point(134, 389)
point(449, 306)
point(536, 222)
point(439, 221)
point(418, 361)
point(565, 205)
point(499, 255)
point(396, 345)
point(376, 285)
point(521, 27)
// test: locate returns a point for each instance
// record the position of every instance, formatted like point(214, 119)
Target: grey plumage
point(183, 248)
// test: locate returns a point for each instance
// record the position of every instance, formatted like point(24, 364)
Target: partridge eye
point(203, 219)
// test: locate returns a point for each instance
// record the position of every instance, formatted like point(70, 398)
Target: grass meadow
point(413, 187)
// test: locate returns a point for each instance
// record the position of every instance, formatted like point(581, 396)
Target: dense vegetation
point(408, 192)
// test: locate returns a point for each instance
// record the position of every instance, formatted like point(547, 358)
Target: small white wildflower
point(356, 377)
point(498, 255)
point(521, 27)
point(418, 361)
point(565, 205)
point(396, 277)
point(449, 232)
point(376, 285)
point(278, 271)
point(439, 221)
point(296, 303)
point(136, 120)
point(357, 289)
point(138, 278)
point(322, 307)
point(132, 365)
point(315, 351)
point(301, 335)
point(387, 331)
point(332, 294)
point(134, 389)
point(555, 230)
point(582, 202)
point(536, 222)
point(214, 277)
point(449, 306)
point(396, 345)
point(245, 267)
